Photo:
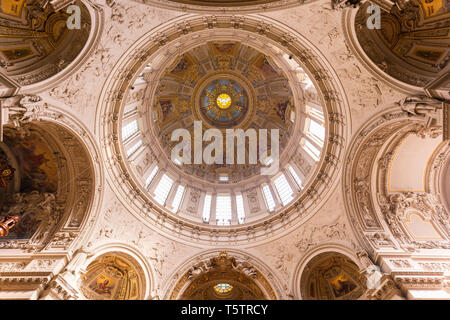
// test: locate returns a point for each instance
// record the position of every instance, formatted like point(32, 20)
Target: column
point(171, 196)
point(234, 216)
point(212, 215)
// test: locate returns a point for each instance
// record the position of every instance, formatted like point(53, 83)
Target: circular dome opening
point(223, 101)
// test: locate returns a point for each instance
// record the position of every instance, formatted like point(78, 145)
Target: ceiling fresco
point(412, 47)
point(225, 85)
point(112, 277)
point(34, 39)
point(331, 276)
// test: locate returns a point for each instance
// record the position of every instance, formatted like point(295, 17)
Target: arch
point(403, 52)
point(220, 6)
point(77, 211)
point(438, 174)
point(148, 279)
point(35, 65)
point(338, 248)
point(376, 213)
point(245, 265)
point(331, 275)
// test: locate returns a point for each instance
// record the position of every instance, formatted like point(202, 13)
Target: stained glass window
point(223, 288)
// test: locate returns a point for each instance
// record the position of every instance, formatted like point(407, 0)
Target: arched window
point(151, 176)
point(207, 207)
point(240, 208)
point(129, 129)
point(163, 189)
point(177, 199)
point(134, 147)
point(270, 202)
point(223, 210)
point(284, 189)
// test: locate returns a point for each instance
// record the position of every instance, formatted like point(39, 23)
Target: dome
point(36, 43)
point(229, 133)
point(223, 85)
point(229, 3)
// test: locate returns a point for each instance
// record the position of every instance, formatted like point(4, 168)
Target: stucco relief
point(321, 22)
point(118, 225)
point(327, 227)
point(124, 24)
point(395, 208)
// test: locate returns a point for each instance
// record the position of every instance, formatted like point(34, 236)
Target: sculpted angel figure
point(19, 106)
point(197, 270)
point(194, 272)
point(249, 272)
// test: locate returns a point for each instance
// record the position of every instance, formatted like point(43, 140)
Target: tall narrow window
point(130, 109)
point(297, 179)
point(315, 113)
point(151, 176)
point(284, 189)
point(308, 83)
point(207, 208)
point(177, 199)
point(163, 189)
point(317, 130)
point(133, 149)
point(311, 150)
point(240, 208)
point(129, 129)
point(223, 210)
point(269, 198)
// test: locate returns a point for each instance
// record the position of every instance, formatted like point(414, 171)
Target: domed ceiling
point(185, 111)
point(34, 43)
point(224, 85)
point(412, 44)
point(221, 3)
point(113, 277)
point(332, 276)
